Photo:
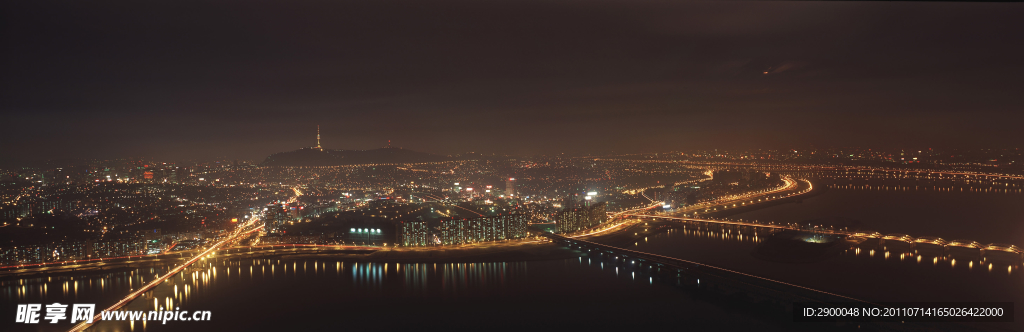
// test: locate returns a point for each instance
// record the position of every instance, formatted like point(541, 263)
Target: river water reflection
point(301, 295)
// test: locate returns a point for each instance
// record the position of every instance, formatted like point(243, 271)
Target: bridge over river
point(961, 248)
point(735, 284)
point(706, 276)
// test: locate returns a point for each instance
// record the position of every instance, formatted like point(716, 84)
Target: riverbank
point(815, 191)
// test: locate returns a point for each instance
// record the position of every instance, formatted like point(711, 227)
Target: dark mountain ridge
point(317, 157)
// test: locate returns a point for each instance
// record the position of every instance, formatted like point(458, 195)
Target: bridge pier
point(720, 281)
point(683, 279)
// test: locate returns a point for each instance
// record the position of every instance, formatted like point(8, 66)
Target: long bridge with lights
point(682, 272)
point(864, 170)
point(244, 229)
point(734, 284)
point(952, 247)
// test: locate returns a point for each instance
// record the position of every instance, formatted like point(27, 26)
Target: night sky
point(244, 79)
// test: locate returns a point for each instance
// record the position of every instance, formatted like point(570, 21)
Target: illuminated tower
point(318, 138)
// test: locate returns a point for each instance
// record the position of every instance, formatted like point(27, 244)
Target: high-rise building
point(574, 219)
point(482, 229)
point(510, 187)
point(275, 215)
point(413, 233)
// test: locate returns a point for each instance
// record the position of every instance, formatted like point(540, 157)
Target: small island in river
point(791, 246)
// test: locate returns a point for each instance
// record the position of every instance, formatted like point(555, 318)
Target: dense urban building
point(112, 204)
point(463, 231)
point(577, 218)
point(510, 187)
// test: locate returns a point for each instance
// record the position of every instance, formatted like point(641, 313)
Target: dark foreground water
point(281, 295)
point(573, 294)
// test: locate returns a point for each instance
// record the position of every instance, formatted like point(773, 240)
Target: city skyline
point(541, 165)
point(1010, 153)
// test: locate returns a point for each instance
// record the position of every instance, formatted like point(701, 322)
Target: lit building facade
point(414, 233)
point(463, 231)
point(276, 215)
point(574, 219)
point(510, 187)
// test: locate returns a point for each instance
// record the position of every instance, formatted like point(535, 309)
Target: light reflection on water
point(202, 278)
point(67, 288)
point(355, 281)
